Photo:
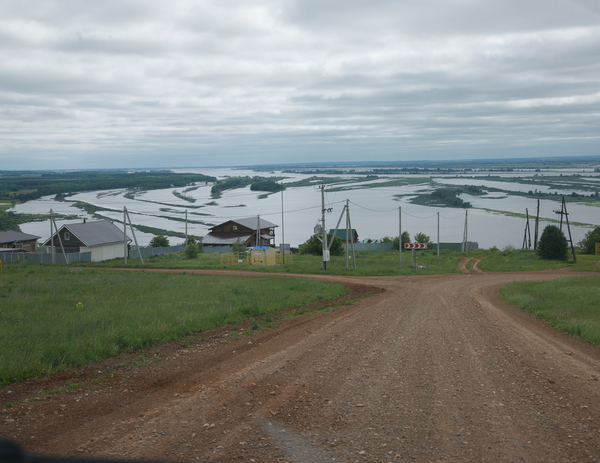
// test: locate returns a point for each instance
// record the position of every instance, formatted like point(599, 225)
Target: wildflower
point(79, 305)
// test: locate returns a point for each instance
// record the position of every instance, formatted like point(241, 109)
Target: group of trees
point(192, 249)
point(554, 245)
point(405, 238)
point(256, 184)
point(27, 186)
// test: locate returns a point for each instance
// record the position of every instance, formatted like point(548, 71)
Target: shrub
point(314, 246)
point(239, 247)
point(588, 243)
point(553, 244)
point(191, 251)
point(423, 238)
point(159, 241)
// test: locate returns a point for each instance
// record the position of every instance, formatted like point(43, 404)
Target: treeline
point(25, 186)
point(447, 197)
point(256, 184)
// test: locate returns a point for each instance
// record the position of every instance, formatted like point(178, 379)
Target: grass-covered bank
point(569, 304)
point(373, 263)
point(367, 263)
point(52, 318)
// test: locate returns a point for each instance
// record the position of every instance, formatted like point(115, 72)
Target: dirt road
point(429, 369)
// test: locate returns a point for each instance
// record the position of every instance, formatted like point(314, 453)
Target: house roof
point(249, 223)
point(224, 239)
point(95, 233)
point(11, 236)
point(342, 233)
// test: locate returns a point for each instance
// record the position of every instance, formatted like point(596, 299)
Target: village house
point(17, 241)
point(341, 234)
point(242, 231)
point(102, 238)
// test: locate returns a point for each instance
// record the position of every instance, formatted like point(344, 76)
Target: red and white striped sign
point(415, 246)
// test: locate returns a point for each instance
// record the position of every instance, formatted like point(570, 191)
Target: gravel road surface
point(429, 368)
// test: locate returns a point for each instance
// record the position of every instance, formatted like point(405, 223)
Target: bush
point(191, 251)
point(553, 244)
point(423, 238)
point(314, 246)
point(238, 247)
point(588, 244)
point(159, 241)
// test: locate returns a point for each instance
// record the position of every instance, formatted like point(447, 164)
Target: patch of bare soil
point(430, 368)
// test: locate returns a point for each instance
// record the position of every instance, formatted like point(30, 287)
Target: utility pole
point(465, 246)
point(563, 211)
point(52, 235)
point(527, 231)
point(438, 246)
point(537, 224)
point(258, 230)
point(324, 231)
point(125, 233)
point(282, 227)
point(399, 234)
point(186, 233)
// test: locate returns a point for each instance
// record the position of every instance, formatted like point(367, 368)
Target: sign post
point(414, 247)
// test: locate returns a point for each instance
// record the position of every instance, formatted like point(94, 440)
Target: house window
point(234, 228)
point(67, 236)
point(222, 229)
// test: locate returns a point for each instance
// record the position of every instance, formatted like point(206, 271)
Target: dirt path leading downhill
point(433, 368)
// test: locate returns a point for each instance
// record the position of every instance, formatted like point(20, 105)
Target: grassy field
point(570, 304)
point(52, 318)
point(367, 263)
point(528, 261)
point(374, 263)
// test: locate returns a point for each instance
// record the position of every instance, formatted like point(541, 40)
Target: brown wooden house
point(17, 241)
point(243, 231)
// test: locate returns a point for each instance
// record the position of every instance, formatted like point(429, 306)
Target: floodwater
point(374, 212)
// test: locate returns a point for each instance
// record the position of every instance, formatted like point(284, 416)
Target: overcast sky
point(181, 83)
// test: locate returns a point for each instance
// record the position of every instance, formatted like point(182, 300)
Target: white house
point(102, 238)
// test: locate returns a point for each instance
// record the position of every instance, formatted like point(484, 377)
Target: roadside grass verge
point(569, 304)
point(367, 263)
point(524, 260)
point(53, 318)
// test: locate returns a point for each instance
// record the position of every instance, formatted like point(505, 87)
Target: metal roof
point(214, 239)
point(95, 233)
point(11, 236)
point(250, 223)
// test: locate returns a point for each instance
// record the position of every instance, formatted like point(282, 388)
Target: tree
point(159, 241)
point(423, 238)
point(588, 243)
point(553, 244)
point(314, 246)
point(238, 247)
point(191, 250)
point(405, 239)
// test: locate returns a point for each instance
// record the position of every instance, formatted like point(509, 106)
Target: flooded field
point(374, 209)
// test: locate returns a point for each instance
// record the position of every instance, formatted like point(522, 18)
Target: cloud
point(203, 82)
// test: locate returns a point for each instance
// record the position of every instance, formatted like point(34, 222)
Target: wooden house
point(341, 234)
point(243, 231)
point(102, 238)
point(17, 241)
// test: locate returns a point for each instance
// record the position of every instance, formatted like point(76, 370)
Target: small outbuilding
point(263, 255)
point(102, 238)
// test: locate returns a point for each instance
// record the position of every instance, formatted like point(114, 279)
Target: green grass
point(569, 304)
point(52, 318)
point(524, 260)
point(367, 264)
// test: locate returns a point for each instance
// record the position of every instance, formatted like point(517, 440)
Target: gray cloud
point(151, 83)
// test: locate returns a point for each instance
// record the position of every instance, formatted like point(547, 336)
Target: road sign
point(415, 246)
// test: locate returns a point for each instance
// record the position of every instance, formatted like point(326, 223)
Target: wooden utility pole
point(282, 227)
point(537, 225)
point(438, 240)
point(563, 211)
point(323, 231)
point(399, 234)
